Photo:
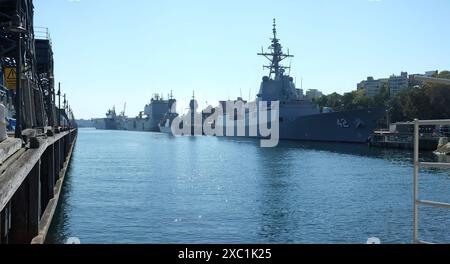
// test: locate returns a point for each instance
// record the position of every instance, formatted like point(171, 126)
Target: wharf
point(387, 139)
point(31, 178)
point(37, 114)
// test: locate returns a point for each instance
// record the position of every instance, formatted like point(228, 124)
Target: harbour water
point(135, 187)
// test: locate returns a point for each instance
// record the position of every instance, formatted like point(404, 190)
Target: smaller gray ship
point(148, 120)
point(112, 121)
point(165, 125)
point(192, 122)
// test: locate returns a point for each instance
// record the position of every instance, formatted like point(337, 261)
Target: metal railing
point(417, 165)
point(42, 33)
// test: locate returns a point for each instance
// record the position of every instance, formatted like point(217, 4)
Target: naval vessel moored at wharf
point(299, 117)
point(165, 125)
point(148, 120)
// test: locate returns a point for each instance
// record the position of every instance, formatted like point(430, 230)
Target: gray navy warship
point(147, 120)
point(302, 119)
point(165, 125)
point(152, 115)
point(112, 121)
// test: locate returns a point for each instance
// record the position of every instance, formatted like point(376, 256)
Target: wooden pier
point(34, 157)
point(30, 184)
point(402, 141)
point(401, 135)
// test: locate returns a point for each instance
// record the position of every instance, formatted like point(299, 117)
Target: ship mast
point(275, 56)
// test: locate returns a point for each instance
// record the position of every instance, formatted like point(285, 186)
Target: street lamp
point(68, 116)
point(17, 27)
point(59, 104)
point(67, 113)
point(64, 102)
point(52, 100)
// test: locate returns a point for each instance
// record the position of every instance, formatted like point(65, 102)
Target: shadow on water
point(58, 231)
point(394, 155)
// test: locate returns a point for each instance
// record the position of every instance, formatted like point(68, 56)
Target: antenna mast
point(275, 55)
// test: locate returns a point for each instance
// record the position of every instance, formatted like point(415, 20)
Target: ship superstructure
point(165, 125)
point(300, 118)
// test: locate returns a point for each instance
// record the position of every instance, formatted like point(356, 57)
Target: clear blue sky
point(108, 52)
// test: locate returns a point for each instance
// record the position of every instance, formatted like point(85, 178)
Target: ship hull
point(141, 124)
point(353, 126)
point(132, 124)
point(346, 126)
point(99, 123)
point(165, 129)
point(111, 124)
point(105, 124)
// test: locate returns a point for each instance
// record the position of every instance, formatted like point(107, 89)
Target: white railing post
point(417, 165)
point(416, 182)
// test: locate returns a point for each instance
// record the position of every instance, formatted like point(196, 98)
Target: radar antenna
point(275, 55)
point(290, 64)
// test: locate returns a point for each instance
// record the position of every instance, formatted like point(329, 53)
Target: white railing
point(42, 33)
point(417, 165)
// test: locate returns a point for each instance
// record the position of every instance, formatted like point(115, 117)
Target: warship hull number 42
point(300, 118)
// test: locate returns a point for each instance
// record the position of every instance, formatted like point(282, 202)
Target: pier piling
point(30, 187)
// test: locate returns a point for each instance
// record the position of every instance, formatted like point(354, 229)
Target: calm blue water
point(131, 187)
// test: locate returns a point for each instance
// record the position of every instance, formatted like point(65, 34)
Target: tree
point(333, 100)
point(443, 74)
point(438, 96)
point(432, 101)
point(382, 98)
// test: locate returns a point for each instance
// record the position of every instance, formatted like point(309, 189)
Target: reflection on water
point(152, 188)
point(393, 154)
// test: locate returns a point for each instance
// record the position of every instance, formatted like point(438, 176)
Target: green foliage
point(353, 100)
point(443, 74)
point(432, 101)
